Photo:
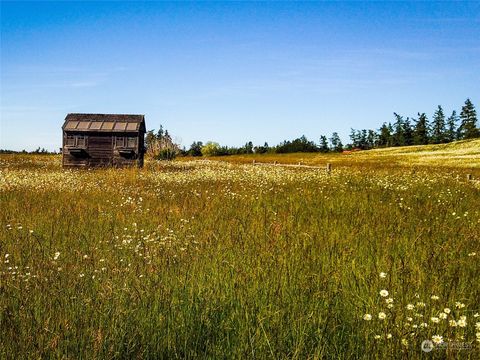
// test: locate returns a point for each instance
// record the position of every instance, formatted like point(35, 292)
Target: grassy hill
point(463, 154)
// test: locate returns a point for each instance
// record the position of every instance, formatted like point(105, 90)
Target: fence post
point(329, 167)
point(275, 162)
point(253, 162)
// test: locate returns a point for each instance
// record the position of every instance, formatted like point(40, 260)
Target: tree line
point(403, 131)
point(420, 131)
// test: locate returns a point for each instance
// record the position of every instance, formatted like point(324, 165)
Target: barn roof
point(104, 122)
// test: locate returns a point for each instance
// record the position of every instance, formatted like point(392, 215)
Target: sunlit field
point(456, 155)
point(214, 259)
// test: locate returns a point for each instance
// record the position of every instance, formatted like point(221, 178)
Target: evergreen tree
point(248, 148)
point(399, 135)
point(261, 149)
point(407, 132)
point(195, 149)
point(363, 139)
point(384, 136)
point(160, 133)
point(451, 133)
point(438, 127)
point(336, 142)
point(355, 138)
point(371, 139)
point(468, 126)
point(420, 131)
point(323, 144)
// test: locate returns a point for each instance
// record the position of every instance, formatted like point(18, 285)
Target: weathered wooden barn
point(99, 140)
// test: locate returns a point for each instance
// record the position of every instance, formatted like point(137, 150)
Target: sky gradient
point(233, 72)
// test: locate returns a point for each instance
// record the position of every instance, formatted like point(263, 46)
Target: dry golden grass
point(461, 155)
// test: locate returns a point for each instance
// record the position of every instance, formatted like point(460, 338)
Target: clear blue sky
point(233, 72)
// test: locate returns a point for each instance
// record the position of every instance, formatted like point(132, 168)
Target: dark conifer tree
point(336, 142)
point(451, 133)
point(421, 129)
point(468, 126)
point(363, 139)
point(371, 139)
point(323, 147)
point(355, 138)
point(407, 132)
point(399, 134)
point(384, 136)
point(195, 149)
point(438, 127)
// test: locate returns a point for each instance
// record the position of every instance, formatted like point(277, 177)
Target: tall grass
point(213, 260)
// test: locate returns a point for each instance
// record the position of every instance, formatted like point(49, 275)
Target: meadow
point(223, 259)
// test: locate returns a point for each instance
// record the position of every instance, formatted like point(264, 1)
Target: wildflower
point(462, 322)
point(389, 336)
point(57, 254)
point(410, 307)
point(81, 275)
point(434, 297)
point(390, 306)
point(420, 304)
point(459, 305)
point(383, 275)
point(472, 254)
point(382, 315)
point(31, 231)
point(435, 320)
point(409, 319)
point(367, 317)
point(477, 325)
point(452, 323)
point(376, 337)
point(446, 311)
point(7, 255)
point(476, 315)
point(404, 342)
point(384, 293)
point(442, 316)
point(437, 339)
point(389, 300)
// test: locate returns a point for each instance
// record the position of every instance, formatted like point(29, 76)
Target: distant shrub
point(211, 149)
point(166, 154)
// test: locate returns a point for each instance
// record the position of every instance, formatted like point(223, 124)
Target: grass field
point(457, 155)
point(215, 260)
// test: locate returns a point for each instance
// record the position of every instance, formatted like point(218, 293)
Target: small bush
point(166, 154)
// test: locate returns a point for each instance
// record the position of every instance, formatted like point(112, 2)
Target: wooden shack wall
point(100, 151)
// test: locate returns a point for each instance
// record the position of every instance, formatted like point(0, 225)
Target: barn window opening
point(119, 141)
point(131, 142)
point(76, 140)
point(81, 140)
point(70, 140)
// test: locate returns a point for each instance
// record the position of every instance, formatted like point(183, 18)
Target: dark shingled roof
point(104, 122)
